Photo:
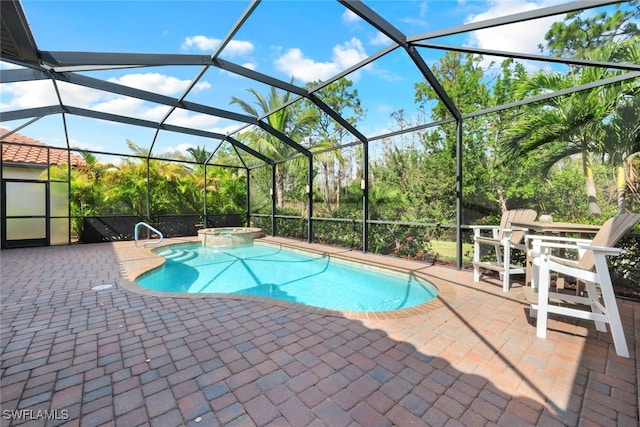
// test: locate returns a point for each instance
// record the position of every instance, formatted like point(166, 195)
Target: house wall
point(35, 172)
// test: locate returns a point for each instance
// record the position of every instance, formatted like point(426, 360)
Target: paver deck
point(117, 356)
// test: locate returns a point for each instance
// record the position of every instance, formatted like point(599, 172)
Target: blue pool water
point(274, 272)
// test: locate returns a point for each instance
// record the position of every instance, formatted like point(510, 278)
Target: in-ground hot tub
point(228, 236)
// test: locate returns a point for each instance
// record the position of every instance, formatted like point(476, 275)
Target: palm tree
point(288, 121)
point(199, 154)
point(148, 185)
point(565, 126)
point(620, 142)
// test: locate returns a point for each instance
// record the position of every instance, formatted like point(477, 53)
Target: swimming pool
point(270, 271)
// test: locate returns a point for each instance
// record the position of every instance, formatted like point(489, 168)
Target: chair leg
point(476, 259)
point(611, 306)
point(496, 248)
point(592, 294)
point(506, 284)
point(543, 299)
point(535, 275)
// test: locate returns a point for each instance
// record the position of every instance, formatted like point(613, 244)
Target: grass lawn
point(447, 251)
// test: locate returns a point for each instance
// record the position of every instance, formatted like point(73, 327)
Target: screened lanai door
point(25, 219)
point(35, 213)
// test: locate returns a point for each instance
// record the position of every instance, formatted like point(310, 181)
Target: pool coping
point(136, 261)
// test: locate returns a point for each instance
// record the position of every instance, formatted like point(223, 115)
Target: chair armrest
point(487, 240)
point(607, 250)
point(556, 245)
point(538, 246)
point(557, 239)
point(478, 228)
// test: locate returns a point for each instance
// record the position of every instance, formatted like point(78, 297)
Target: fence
point(114, 228)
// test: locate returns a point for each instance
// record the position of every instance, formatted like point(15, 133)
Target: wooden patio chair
point(503, 239)
point(591, 268)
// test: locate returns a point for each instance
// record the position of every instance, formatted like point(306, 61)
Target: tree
point(141, 185)
point(489, 184)
point(86, 186)
point(327, 134)
point(577, 36)
point(199, 154)
point(620, 142)
point(561, 127)
point(289, 121)
point(461, 76)
point(502, 185)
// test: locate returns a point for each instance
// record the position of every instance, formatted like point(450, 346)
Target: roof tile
point(23, 149)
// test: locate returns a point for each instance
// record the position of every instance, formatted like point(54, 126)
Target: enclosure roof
point(130, 64)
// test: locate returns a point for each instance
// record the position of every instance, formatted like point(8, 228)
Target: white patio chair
point(503, 239)
point(591, 268)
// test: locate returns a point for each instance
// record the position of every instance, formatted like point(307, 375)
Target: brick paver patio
point(116, 357)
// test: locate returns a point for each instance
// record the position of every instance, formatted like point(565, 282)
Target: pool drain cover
point(101, 287)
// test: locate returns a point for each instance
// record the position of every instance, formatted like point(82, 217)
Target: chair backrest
point(518, 215)
point(609, 234)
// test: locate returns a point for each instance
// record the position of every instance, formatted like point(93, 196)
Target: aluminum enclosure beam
point(28, 113)
point(22, 75)
point(377, 21)
point(17, 39)
point(543, 58)
point(337, 117)
point(61, 61)
point(433, 81)
point(259, 77)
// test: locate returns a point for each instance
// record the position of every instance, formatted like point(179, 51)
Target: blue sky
point(310, 40)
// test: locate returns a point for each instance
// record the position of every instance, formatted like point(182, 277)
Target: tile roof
point(23, 149)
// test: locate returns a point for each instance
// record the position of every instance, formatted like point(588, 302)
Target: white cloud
point(380, 40)
point(348, 17)
point(294, 63)
point(226, 130)
point(384, 74)
point(158, 83)
point(416, 22)
point(184, 118)
point(250, 65)
point(208, 44)
point(521, 37)
point(22, 95)
point(349, 53)
point(424, 9)
point(82, 145)
point(181, 148)
point(132, 107)
point(41, 93)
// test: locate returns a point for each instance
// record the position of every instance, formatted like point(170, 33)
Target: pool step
point(178, 255)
